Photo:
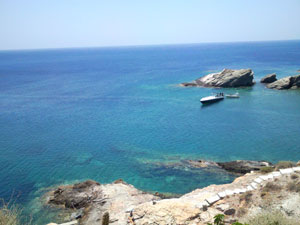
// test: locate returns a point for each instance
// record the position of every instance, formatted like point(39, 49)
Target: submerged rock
point(225, 78)
point(269, 78)
point(290, 82)
point(202, 163)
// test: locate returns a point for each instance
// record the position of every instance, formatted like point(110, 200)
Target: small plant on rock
point(266, 169)
point(219, 219)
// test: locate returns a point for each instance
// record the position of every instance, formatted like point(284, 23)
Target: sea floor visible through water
point(69, 115)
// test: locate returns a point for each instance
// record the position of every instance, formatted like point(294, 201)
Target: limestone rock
point(225, 78)
point(290, 82)
point(269, 78)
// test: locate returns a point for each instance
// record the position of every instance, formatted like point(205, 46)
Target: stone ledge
point(213, 199)
point(286, 171)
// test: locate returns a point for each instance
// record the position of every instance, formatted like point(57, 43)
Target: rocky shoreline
point(92, 203)
point(237, 167)
point(229, 78)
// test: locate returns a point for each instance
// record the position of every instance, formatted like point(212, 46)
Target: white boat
point(236, 95)
point(212, 98)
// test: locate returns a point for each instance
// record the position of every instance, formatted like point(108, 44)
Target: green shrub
point(219, 219)
point(266, 169)
point(272, 218)
point(284, 165)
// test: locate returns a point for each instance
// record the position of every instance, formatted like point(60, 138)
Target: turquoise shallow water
point(108, 113)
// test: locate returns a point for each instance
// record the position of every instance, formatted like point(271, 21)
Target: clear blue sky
point(28, 24)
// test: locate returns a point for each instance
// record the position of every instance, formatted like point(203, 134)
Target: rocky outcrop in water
point(291, 82)
point(269, 78)
point(238, 166)
point(243, 166)
point(225, 78)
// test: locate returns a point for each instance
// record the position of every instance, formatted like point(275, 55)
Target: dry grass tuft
point(293, 186)
point(270, 186)
point(11, 214)
point(266, 169)
point(246, 197)
point(272, 218)
point(284, 165)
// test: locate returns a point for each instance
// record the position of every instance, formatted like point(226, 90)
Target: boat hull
point(211, 101)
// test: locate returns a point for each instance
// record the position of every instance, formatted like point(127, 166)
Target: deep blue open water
point(106, 113)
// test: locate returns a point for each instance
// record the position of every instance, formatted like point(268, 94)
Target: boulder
point(74, 197)
point(243, 166)
point(225, 78)
point(290, 82)
point(270, 78)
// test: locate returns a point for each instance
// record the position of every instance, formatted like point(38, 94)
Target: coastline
point(127, 205)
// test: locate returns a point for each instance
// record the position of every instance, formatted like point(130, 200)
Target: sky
point(34, 24)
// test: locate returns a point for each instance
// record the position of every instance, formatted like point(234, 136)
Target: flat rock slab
point(202, 204)
point(249, 188)
point(266, 177)
point(286, 171)
point(276, 174)
point(254, 185)
point(222, 194)
point(296, 168)
point(258, 180)
point(70, 223)
point(213, 199)
point(229, 192)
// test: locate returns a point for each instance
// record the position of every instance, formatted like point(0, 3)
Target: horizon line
point(143, 45)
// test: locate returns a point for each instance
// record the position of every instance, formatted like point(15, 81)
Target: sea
point(67, 115)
